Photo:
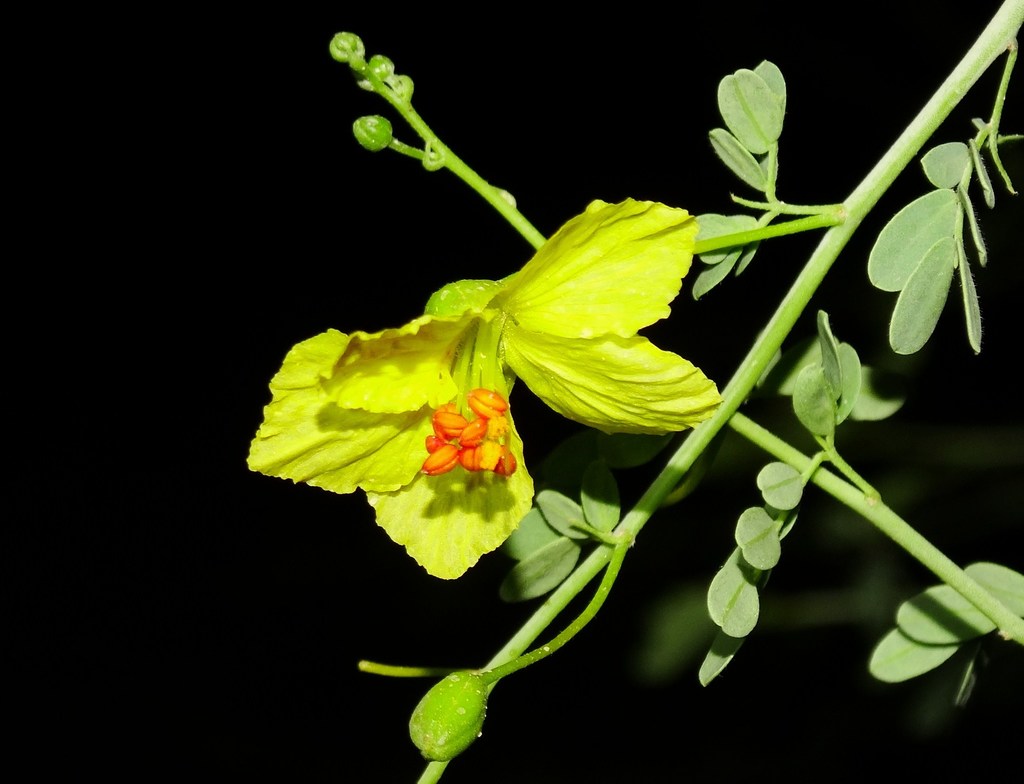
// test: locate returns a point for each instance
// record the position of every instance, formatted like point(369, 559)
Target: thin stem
point(767, 232)
point(618, 553)
point(992, 41)
point(782, 208)
point(889, 523)
point(440, 154)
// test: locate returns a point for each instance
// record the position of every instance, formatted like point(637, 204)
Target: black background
point(175, 614)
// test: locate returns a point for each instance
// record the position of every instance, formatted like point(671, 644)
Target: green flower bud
point(381, 66)
point(348, 48)
point(449, 716)
point(401, 85)
point(373, 132)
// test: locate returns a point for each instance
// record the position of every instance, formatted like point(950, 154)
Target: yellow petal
point(617, 385)
point(447, 522)
point(612, 270)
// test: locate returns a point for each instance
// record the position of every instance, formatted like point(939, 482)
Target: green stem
point(889, 523)
point(767, 232)
point(992, 41)
point(618, 553)
point(782, 208)
point(439, 154)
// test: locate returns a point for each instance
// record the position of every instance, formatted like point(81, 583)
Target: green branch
point(889, 523)
point(995, 38)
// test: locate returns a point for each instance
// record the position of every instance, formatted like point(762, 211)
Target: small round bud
point(373, 132)
point(348, 47)
point(450, 715)
point(381, 66)
point(401, 85)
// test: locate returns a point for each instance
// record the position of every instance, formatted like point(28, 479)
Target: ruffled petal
point(447, 522)
point(617, 385)
point(307, 437)
point(612, 270)
point(400, 369)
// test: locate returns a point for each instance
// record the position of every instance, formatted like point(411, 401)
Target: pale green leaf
point(600, 497)
point(772, 76)
point(751, 110)
point(532, 534)
point(920, 304)
point(909, 236)
point(781, 486)
point(813, 402)
point(941, 616)
point(542, 571)
point(882, 394)
point(1002, 582)
point(972, 308)
point(758, 538)
point(898, 658)
point(562, 513)
point(723, 648)
point(946, 164)
point(850, 363)
point(830, 364)
point(972, 223)
point(732, 597)
point(981, 174)
point(738, 159)
point(709, 277)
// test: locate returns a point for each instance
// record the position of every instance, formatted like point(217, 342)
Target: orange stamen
point(476, 446)
point(442, 461)
point(474, 433)
point(487, 403)
point(448, 423)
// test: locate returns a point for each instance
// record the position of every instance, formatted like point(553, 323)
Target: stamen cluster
point(476, 446)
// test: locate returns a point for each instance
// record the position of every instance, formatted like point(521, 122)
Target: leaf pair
point(753, 106)
point(733, 596)
point(920, 248)
point(935, 624)
point(547, 543)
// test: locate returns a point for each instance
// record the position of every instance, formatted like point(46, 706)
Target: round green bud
point(381, 66)
point(373, 132)
point(401, 86)
point(449, 716)
point(348, 47)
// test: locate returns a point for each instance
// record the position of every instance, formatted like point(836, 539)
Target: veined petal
point(618, 385)
point(307, 437)
point(612, 270)
point(400, 369)
point(447, 522)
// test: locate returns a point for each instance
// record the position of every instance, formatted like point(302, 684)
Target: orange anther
point(473, 433)
point(448, 423)
point(441, 461)
point(469, 458)
point(434, 443)
point(487, 403)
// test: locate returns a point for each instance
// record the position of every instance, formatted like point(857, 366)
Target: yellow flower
point(375, 411)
